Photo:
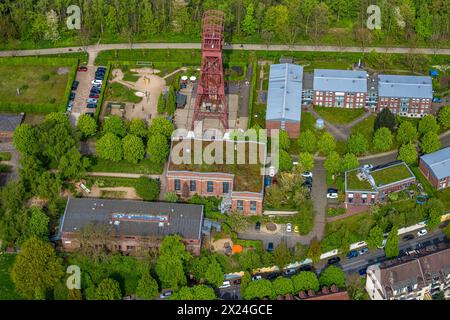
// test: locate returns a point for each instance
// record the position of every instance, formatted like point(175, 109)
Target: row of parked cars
point(72, 96)
point(96, 88)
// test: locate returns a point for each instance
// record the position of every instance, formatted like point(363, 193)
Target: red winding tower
point(210, 101)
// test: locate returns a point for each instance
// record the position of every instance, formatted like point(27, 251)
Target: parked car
point(82, 69)
point(352, 254)
point(363, 251)
point(422, 232)
point(307, 267)
point(256, 277)
point(91, 105)
point(332, 195)
point(332, 190)
point(225, 284)
point(91, 114)
point(437, 100)
point(258, 226)
point(270, 246)
point(237, 281)
point(91, 100)
point(95, 91)
point(289, 227)
point(367, 166)
point(94, 96)
point(69, 109)
point(272, 276)
point(307, 174)
point(97, 82)
point(296, 230)
point(362, 271)
point(408, 237)
point(165, 294)
point(75, 85)
point(290, 272)
point(72, 96)
point(334, 260)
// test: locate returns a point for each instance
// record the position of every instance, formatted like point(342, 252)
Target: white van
point(225, 284)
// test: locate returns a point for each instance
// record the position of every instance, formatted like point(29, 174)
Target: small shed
point(9, 123)
point(181, 100)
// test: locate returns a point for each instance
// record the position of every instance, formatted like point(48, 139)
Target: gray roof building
point(134, 218)
point(438, 162)
point(9, 122)
point(405, 86)
point(340, 80)
point(285, 92)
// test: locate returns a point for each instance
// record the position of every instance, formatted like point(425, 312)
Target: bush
point(147, 189)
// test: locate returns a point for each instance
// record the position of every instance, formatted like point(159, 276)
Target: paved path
point(334, 130)
point(93, 50)
point(123, 175)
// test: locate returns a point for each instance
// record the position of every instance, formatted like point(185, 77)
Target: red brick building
point(366, 187)
point(409, 96)
point(241, 184)
point(436, 168)
point(340, 88)
point(127, 225)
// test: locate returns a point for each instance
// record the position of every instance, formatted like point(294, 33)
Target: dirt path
point(128, 192)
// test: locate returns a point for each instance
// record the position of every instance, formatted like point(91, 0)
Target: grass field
point(339, 115)
point(143, 167)
point(7, 289)
point(119, 93)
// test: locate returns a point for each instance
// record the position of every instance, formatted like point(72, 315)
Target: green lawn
point(365, 128)
point(391, 174)
point(7, 288)
point(110, 182)
point(143, 167)
point(444, 196)
point(5, 156)
point(119, 93)
point(353, 183)
point(339, 115)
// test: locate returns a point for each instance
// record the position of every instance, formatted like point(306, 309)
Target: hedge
point(98, 110)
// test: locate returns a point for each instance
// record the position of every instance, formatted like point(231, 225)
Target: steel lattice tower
point(210, 100)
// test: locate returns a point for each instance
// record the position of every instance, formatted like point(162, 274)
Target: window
point(240, 205)
point(193, 185)
point(225, 187)
point(364, 198)
point(252, 206)
point(209, 186)
point(350, 197)
point(372, 199)
point(177, 185)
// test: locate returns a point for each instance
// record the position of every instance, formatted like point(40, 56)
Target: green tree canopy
point(282, 255)
point(434, 209)
point(161, 104)
point(87, 125)
point(326, 144)
point(147, 287)
point(109, 147)
point(391, 248)
point(444, 117)
point(408, 153)
point(199, 292)
point(385, 119)
point(108, 289)
point(406, 132)
point(314, 251)
point(357, 144)
point(25, 139)
point(430, 142)
point(375, 238)
point(171, 102)
point(332, 275)
point(348, 162)
point(115, 125)
point(138, 128)
point(258, 290)
point(282, 286)
point(214, 274)
point(306, 160)
point(148, 189)
point(36, 269)
point(38, 224)
point(157, 148)
point(285, 141)
point(332, 163)
point(428, 124)
point(307, 141)
point(382, 139)
point(73, 165)
point(305, 281)
point(161, 126)
point(133, 148)
point(285, 163)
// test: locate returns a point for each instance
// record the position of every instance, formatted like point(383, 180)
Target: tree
point(285, 161)
point(171, 102)
point(306, 160)
point(434, 210)
point(138, 128)
point(319, 21)
point(305, 280)
point(200, 292)
point(147, 189)
point(36, 269)
point(326, 144)
point(109, 147)
point(161, 126)
point(406, 133)
point(428, 124)
point(282, 286)
point(237, 222)
point(249, 260)
point(147, 287)
point(382, 139)
point(307, 141)
point(281, 255)
point(170, 197)
point(430, 142)
point(38, 224)
point(444, 117)
point(332, 275)
point(348, 162)
point(169, 266)
point(385, 119)
point(376, 237)
point(408, 153)
point(161, 104)
point(275, 22)
point(108, 289)
point(249, 24)
point(114, 124)
point(87, 125)
point(214, 274)
point(157, 148)
point(357, 144)
point(133, 148)
point(25, 139)
point(314, 251)
point(333, 163)
point(258, 290)
point(391, 248)
point(73, 165)
point(285, 142)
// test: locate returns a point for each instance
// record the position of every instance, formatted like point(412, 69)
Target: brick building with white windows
point(340, 88)
point(409, 96)
point(436, 168)
point(240, 185)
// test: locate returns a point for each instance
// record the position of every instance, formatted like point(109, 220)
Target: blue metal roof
point(438, 162)
point(285, 92)
point(405, 86)
point(340, 80)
